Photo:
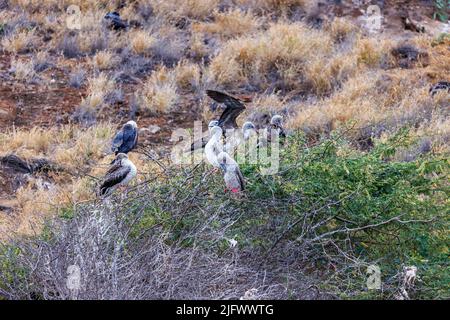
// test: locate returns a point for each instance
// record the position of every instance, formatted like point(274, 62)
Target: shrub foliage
point(309, 231)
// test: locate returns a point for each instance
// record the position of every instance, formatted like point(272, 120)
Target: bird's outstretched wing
point(117, 142)
point(113, 176)
point(233, 107)
point(125, 140)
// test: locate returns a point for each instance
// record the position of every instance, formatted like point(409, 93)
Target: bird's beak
point(112, 162)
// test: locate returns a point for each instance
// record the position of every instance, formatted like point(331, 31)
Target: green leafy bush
point(442, 8)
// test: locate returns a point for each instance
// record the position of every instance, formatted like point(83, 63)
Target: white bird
point(126, 139)
point(248, 150)
point(214, 146)
point(276, 123)
point(234, 180)
point(119, 174)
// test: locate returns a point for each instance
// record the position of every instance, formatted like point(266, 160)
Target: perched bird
point(238, 137)
point(202, 143)
point(119, 174)
point(126, 139)
point(214, 146)
point(213, 123)
point(441, 85)
point(248, 129)
point(115, 22)
point(234, 180)
point(248, 149)
point(234, 107)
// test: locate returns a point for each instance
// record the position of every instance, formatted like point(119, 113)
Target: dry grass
point(32, 5)
point(381, 101)
point(230, 23)
point(341, 29)
point(281, 6)
point(98, 88)
point(23, 70)
point(35, 202)
point(160, 91)
point(79, 152)
point(69, 145)
point(373, 52)
point(187, 75)
point(197, 47)
point(104, 60)
point(283, 49)
point(196, 9)
point(319, 79)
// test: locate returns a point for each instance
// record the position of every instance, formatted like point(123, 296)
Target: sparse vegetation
point(19, 42)
point(23, 71)
point(336, 209)
point(442, 8)
point(160, 91)
point(141, 41)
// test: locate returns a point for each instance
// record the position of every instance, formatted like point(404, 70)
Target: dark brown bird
point(441, 85)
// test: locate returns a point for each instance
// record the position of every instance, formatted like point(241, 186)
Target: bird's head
point(225, 161)
point(120, 157)
point(132, 123)
point(276, 120)
point(216, 131)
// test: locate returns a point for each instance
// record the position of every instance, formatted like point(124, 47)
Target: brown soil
point(54, 102)
point(51, 101)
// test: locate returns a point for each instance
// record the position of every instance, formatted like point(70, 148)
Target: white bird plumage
point(237, 137)
point(126, 139)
